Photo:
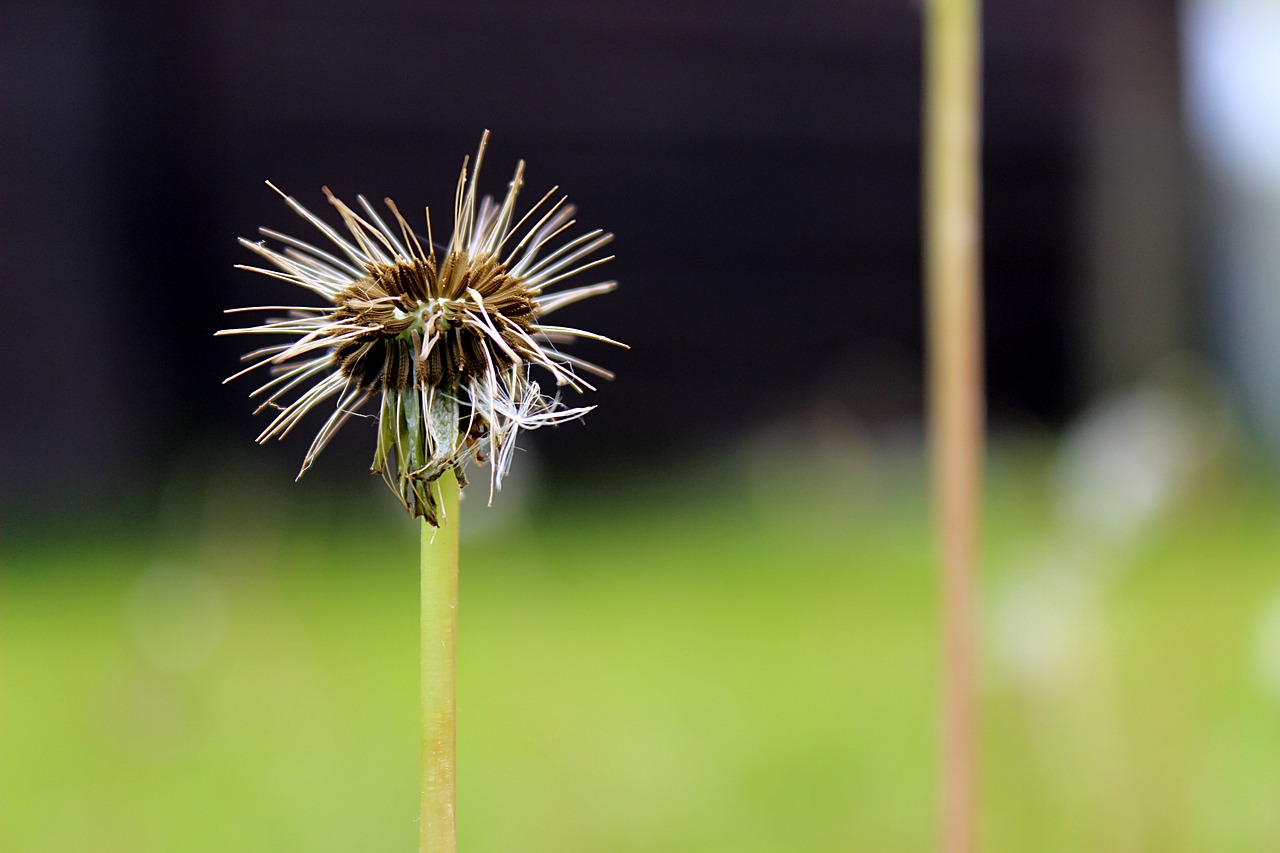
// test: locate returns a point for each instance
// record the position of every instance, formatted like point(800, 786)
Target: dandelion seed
point(446, 341)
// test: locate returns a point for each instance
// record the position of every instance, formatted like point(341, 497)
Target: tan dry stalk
point(953, 282)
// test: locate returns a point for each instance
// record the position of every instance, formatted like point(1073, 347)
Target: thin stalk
point(439, 656)
point(953, 297)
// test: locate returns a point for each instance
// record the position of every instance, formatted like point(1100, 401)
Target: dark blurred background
point(758, 161)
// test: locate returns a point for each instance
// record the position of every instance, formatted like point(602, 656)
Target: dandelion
point(446, 341)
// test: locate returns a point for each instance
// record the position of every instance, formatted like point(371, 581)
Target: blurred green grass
point(683, 664)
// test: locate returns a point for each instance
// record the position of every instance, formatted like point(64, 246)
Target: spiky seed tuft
point(447, 342)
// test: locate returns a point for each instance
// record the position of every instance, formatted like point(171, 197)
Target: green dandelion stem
point(439, 658)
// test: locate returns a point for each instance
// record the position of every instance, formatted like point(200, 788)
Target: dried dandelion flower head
point(446, 340)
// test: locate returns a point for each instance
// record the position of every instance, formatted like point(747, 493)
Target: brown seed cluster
point(398, 298)
point(445, 338)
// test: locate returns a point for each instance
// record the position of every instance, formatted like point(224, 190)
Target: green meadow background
point(722, 656)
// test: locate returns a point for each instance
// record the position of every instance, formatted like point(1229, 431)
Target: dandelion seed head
point(445, 341)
